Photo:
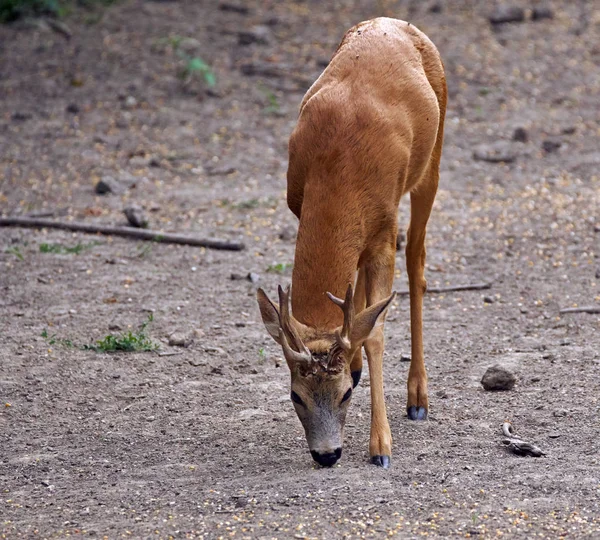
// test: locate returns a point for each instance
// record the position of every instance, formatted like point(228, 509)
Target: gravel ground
point(202, 441)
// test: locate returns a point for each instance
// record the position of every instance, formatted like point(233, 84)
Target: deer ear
point(270, 315)
point(369, 319)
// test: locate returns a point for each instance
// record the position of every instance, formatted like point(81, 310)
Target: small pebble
point(488, 300)
point(196, 362)
point(130, 102)
point(507, 14)
point(541, 13)
point(259, 35)
point(559, 413)
point(253, 277)
point(405, 358)
point(179, 339)
point(551, 145)
point(108, 185)
point(520, 135)
point(287, 233)
point(215, 350)
point(135, 216)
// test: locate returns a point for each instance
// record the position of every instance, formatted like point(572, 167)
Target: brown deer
point(370, 130)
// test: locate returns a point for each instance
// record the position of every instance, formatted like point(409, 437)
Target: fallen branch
point(127, 232)
point(516, 445)
point(583, 309)
point(452, 288)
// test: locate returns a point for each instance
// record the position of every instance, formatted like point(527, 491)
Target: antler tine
point(293, 347)
point(347, 307)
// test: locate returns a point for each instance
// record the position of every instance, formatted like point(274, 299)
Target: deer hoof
point(381, 461)
point(416, 413)
point(356, 377)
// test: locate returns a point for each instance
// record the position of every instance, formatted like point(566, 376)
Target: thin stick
point(583, 309)
point(128, 232)
point(451, 288)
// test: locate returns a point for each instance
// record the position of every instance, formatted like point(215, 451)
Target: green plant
point(246, 205)
point(279, 268)
point(194, 66)
point(272, 106)
point(127, 341)
point(14, 250)
point(59, 248)
point(144, 250)
point(53, 339)
point(262, 355)
point(11, 10)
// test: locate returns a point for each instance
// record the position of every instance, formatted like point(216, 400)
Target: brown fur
point(370, 130)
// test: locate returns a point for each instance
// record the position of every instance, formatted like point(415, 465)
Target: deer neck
point(326, 260)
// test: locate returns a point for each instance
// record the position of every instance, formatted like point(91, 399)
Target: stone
point(258, 34)
point(497, 152)
point(488, 300)
point(72, 108)
point(135, 216)
point(109, 185)
point(180, 339)
point(507, 14)
point(551, 145)
point(197, 362)
point(520, 135)
point(497, 379)
point(541, 12)
point(288, 233)
point(234, 8)
point(130, 102)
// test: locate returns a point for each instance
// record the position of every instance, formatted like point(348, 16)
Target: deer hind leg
point(379, 277)
point(360, 302)
point(421, 202)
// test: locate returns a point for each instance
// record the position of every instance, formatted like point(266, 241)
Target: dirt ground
point(204, 443)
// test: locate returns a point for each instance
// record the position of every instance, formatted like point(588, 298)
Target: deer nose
point(327, 459)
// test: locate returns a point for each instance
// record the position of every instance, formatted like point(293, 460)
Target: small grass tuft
point(272, 103)
point(137, 341)
point(14, 250)
point(62, 250)
point(279, 268)
point(53, 340)
point(129, 341)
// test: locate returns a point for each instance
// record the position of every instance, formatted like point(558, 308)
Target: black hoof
point(356, 377)
point(416, 413)
point(381, 461)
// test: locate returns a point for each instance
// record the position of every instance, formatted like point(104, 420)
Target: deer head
point(319, 363)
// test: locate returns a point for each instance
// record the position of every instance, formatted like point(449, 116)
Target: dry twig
point(452, 288)
point(582, 309)
point(128, 232)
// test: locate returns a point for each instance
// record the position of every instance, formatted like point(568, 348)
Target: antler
point(347, 306)
point(293, 348)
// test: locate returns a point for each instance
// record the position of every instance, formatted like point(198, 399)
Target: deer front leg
point(378, 285)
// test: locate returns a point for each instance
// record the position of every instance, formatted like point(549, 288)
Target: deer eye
point(347, 395)
point(297, 399)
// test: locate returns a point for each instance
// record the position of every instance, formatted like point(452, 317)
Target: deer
point(370, 130)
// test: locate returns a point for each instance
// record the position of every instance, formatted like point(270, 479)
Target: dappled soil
point(203, 441)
